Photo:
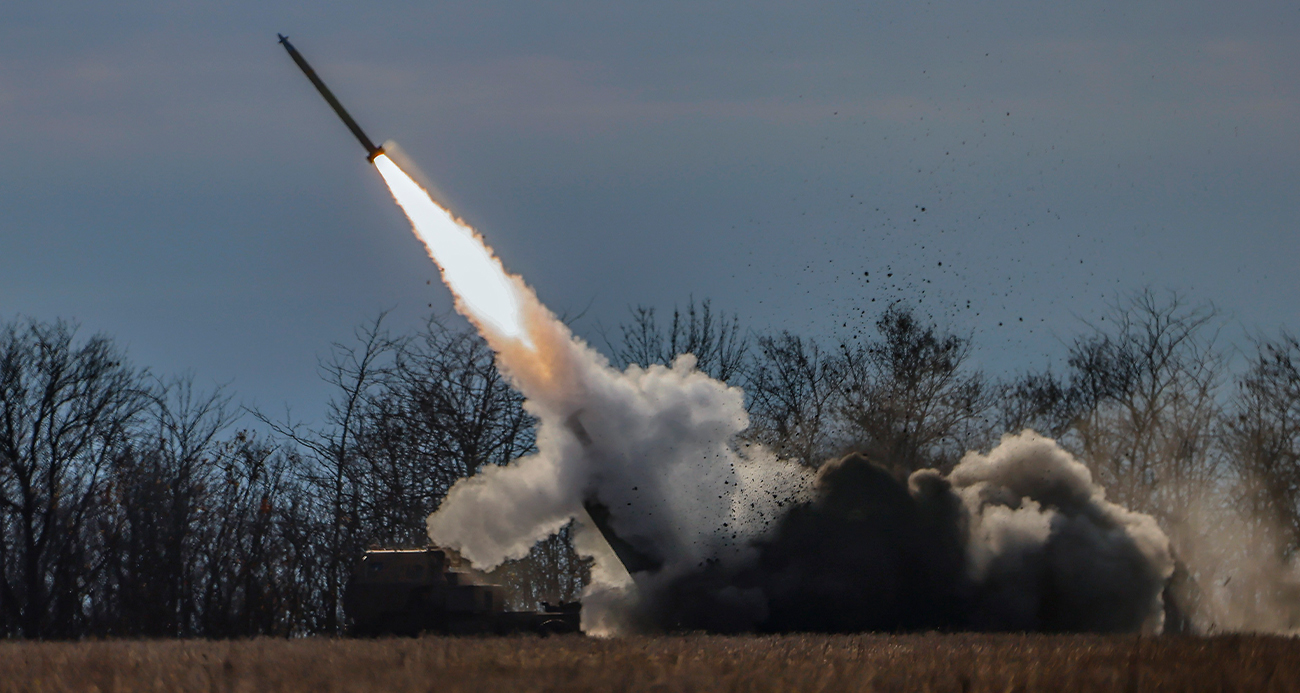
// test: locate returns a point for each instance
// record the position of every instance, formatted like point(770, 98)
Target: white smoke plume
point(653, 445)
point(658, 452)
point(735, 539)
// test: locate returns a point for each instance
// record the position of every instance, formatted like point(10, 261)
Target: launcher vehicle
point(413, 591)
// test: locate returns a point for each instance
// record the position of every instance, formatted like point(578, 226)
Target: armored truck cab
point(411, 591)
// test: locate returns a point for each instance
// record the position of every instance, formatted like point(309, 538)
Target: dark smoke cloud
point(1020, 539)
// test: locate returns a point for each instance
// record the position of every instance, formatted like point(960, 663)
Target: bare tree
point(1142, 406)
point(716, 340)
point(1264, 436)
point(411, 416)
point(907, 398)
point(265, 571)
point(68, 410)
point(1263, 440)
point(331, 461)
point(1147, 393)
point(793, 394)
point(153, 504)
point(444, 413)
point(1042, 402)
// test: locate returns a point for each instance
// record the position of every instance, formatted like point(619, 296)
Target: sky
point(1008, 167)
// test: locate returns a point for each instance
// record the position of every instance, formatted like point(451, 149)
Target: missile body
point(371, 150)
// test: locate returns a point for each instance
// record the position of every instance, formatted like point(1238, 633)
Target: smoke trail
point(736, 540)
point(483, 290)
point(658, 441)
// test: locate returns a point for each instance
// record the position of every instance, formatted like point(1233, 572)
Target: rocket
point(371, 150)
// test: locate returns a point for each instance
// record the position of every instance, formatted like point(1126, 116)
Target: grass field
point(689, 663)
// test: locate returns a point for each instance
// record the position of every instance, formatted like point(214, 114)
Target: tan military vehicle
point(412, 591)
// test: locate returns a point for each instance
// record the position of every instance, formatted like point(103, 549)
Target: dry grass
point(691, 663)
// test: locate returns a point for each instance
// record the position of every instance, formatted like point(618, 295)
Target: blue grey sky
point(170, 178)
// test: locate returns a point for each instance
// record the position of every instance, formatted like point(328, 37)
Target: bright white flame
point(474, 274)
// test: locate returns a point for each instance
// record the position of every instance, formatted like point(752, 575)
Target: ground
point(924, 662)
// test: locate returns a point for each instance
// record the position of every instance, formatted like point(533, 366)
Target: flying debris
point(371, 150)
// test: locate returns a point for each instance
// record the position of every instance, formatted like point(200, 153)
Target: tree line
point(131, 505)
point(134, 505)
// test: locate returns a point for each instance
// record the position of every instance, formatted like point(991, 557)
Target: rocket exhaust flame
point(483, 289)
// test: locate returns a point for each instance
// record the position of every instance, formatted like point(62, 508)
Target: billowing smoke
point(723, 536)
point(1020, 539)
point(1048, 552)
point(653, 449)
